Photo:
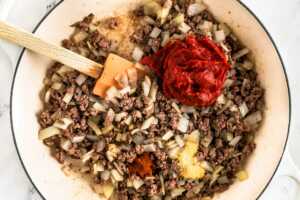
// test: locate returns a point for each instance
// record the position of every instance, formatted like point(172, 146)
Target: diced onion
point(225, 28)
point(206, 141)
point(149, 110)
point(78, 139)
point(121, 137)
point(152, 8)
point(179, 19)
point(137, 183)
point(183, 124)
point(125, 90)
point(146, 85)
point(56, 86)
point(177, 8)
point(179, 141)
point(79, 36)
point(168, 135)
point(173, 153)
point(138, 139)
point(80, 79)
point(107, 129)
point(172, 144)
point(243, 109)
point(177, 192)
point(240, 53)
point(87, 156)
point(128, 120)
point(235, 141)
point(92, 138)
point(194, 136)
point(122, 80)
point(184, 28)
point(153, 91)
point(216, 174)
point(129, 183)
point(149, 147)
point(178, 36)
point(176, 107)
point(63, 123)
point(234, 108)
point(47, 96)
point(85, 52)
point(248, 65)
point(186, 115)
point(113, 92)
point(64, 69)
point(116, 175)
point(253, 119)
point(109, 156)
point(206, 165)
point(120, 116)
point(112, 152)
point(134, 131)
point(48, 132)
point(195, 9)
point(219, 36)
point(188, 109)
point(98, 167)
point(221, 99)
point(165, 11)
point(55, 78)
point(162, 183)
point(149, 20)
point(94, 127)
point(155, 32)
point(99, 107)
point(105, 175)
point(165, 38)
point(229, 136)
point(206, 26)
point(148, 122)
point(228, 83)
point(224, 47)
point(137, 54)
point(65, 145)
point(92, 98)
point(133, 77)
point(68, 96)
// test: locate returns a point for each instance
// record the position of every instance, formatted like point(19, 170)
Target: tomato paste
point(192, 70)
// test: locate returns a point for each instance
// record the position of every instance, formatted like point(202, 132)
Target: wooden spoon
point(113, 65)
point(57, 53)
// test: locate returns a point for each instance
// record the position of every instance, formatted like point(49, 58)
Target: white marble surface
point(282, 19)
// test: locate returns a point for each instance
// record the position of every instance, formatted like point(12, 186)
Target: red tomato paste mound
point(192, 71)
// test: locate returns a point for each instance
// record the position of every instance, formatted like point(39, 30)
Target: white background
point(282, 19)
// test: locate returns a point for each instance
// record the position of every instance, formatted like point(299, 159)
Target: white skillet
point(45, 173)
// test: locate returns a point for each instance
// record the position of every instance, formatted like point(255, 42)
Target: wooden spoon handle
point(52, 51)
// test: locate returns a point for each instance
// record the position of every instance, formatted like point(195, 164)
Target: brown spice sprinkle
point(141, 166)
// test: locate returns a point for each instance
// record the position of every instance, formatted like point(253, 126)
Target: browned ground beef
point(218, 124)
